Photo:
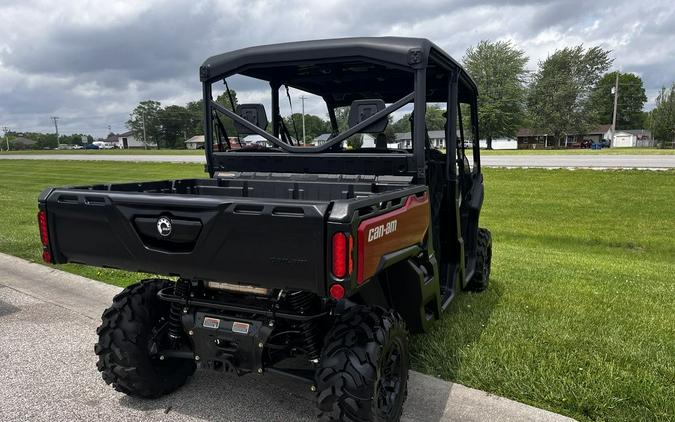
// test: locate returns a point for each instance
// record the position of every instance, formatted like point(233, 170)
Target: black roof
point(307, 64)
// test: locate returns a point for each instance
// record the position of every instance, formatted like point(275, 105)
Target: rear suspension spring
point(175, 329)
point(303, 302)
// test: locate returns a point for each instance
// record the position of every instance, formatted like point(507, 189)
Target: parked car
point(91, 146)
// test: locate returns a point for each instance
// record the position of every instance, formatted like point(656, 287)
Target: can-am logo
point(164, 226)
point(382, 230)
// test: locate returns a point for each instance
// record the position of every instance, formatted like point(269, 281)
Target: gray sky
point(91, 62)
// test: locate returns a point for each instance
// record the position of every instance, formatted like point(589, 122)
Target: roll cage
point(399, 71)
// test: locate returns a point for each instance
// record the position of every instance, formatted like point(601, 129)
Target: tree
point(146, 113)
point(314, 126)
point(498, 68)
point(342, 117)
point(175, 121)
point(632, 99)
point(434, 118)
point(561, 87)
point(663, 117)
point(195, 123)
point(224, 100)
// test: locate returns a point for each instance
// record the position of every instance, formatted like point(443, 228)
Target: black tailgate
point(267, 242)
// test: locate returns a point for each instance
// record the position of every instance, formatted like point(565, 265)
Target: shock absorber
point(302, 302)
point(175, 329)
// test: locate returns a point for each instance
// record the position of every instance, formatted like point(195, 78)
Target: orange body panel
point(390, 232)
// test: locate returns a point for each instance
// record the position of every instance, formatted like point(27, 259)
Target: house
point(436, 139)
point(321, 139)
point(633, 138)
point(128, 140)
point(256, 140)
point(500, 143)
point(538, 139)
point(196, 142)
point(22, 143)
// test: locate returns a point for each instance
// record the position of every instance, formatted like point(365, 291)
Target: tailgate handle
point(94, 200)
point(68, 199)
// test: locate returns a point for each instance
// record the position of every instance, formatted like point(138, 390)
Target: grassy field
point(579, 317)
point(109, 152)
point(606, 151)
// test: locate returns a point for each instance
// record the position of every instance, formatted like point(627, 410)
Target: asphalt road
point(526, 160)
point(47, 332)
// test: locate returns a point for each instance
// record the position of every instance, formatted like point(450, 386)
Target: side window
point(464, 164)
point(436, 119)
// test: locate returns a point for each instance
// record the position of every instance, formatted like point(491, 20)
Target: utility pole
point(56, 126)
point(302, 98)
point(5, 129)
point(616, 98)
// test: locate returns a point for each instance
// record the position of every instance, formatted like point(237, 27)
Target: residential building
point(436, 139)
point(633, 138)
point(539, 139)
point(196, 142)
point(128, 140)
point(21, 142)
point(500, 143)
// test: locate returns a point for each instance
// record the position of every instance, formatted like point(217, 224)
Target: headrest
point(254, 113)
point(363, 109)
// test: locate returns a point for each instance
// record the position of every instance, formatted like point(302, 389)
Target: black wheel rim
point(389, 384)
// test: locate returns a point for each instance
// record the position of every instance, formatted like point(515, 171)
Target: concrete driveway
point(655, 162)
point(47, 332)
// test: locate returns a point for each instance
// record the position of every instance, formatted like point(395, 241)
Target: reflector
point(337, 292)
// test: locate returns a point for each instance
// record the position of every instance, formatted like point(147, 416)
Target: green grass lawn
point(133, 151)
point(606, 151)
point(580, 314)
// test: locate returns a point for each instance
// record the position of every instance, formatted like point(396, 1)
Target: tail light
point(342, 259)
point(339, 255)
point(44, 236)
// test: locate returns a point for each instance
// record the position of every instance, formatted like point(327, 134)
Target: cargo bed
point(249, 228)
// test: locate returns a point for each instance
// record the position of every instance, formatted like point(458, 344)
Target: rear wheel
point(481, 277)
point(129, 332)
point(363, 372)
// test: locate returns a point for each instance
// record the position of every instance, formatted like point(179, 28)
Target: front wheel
point(363, 371)
point(128, 331)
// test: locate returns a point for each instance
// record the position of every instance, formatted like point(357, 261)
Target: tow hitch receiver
point(226, 345)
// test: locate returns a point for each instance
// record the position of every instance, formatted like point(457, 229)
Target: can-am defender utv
point(326, 254)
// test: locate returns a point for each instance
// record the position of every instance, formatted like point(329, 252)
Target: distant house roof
point(197, 139)
point(22, 141)
point(128, 133)
point(323, 137)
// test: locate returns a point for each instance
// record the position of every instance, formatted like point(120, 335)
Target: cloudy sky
point(91, 62)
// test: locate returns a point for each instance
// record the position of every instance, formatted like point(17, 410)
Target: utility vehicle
point(313, 262)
